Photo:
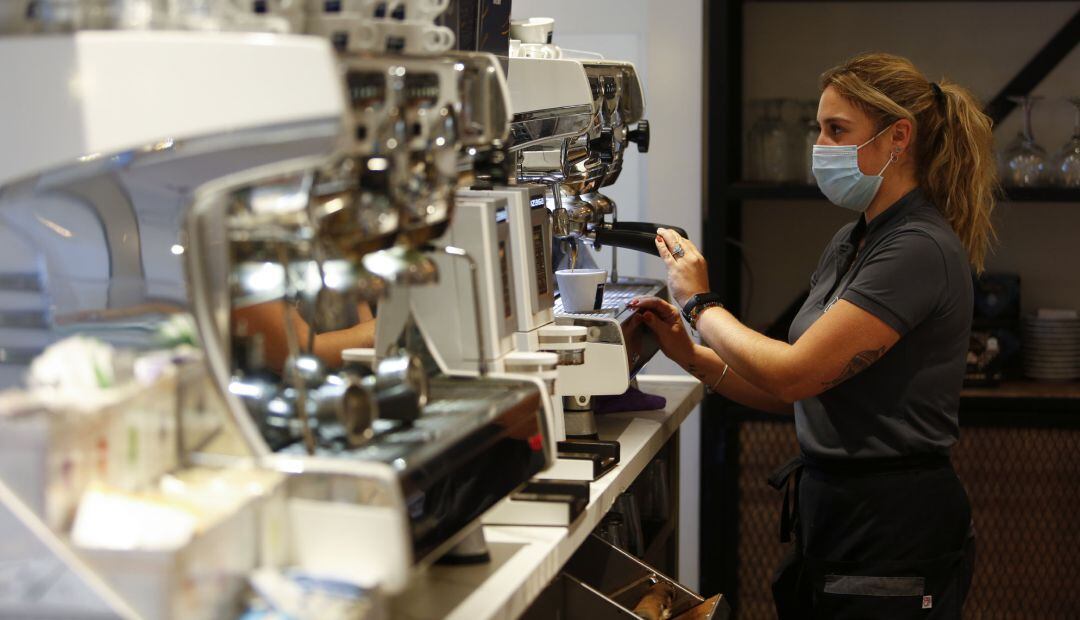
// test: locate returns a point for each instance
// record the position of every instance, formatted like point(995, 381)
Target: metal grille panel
point(618, 294)
point(1024, 485)
point(764, 446)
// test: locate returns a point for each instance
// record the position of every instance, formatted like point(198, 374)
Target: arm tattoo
point(859, 363)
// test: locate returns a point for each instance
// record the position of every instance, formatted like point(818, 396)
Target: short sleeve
point(902, 280)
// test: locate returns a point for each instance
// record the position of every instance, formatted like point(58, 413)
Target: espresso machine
point(292, 183)
point(394, 455)
point(574, 169)
point(107, 131)
point(557, 106)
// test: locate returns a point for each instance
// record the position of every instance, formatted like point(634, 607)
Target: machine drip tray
point(542, 502)
point(617, 295)
point(595, 456)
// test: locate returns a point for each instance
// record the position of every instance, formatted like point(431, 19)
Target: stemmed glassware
point(780, 139)
point(1024, 164)
point(769, 144)
point(756, 120)
point(1067, 162)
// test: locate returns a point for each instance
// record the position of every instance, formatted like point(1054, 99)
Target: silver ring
point(678, 251)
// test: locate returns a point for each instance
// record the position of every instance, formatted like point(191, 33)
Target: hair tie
point(938, 95)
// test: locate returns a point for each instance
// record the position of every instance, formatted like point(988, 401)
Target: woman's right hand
point(665, 320)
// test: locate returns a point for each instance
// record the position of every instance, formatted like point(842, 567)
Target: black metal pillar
point(1056, 49)
point(722, 108)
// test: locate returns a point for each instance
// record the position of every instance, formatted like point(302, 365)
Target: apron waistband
point(859, 467)
point(786, 478)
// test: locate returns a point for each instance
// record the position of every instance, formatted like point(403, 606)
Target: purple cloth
point(632, 399)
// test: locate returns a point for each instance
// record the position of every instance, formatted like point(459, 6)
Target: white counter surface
point(524, 560)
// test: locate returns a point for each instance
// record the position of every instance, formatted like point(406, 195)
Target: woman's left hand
point(666, 322)
point(688, 274)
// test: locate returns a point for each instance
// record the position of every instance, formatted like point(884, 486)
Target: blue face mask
point(836, 169)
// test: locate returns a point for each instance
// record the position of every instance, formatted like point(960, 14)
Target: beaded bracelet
point(696, 312)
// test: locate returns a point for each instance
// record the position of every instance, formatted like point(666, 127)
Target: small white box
point(201, 580)
point(51, 451)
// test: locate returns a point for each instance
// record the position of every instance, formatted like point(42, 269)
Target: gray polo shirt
point(913, 274)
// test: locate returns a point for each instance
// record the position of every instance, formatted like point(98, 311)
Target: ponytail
point(953, 139)
point(957, 168)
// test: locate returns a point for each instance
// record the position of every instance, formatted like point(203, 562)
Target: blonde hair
point(952, 141)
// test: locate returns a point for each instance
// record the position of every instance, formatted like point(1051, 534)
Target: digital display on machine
point(505, 279)
point(366, 88)
point(539, 258)
point(421, 88)
point(538, 201)
point(594, 86)
point(609, 87)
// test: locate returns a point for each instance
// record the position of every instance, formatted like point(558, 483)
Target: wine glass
point(1067, 162)
point(795, 125)
point(1023, 164)
point(755, 120)
point(775, 143)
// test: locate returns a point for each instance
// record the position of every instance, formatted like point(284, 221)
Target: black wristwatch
point(698, 304)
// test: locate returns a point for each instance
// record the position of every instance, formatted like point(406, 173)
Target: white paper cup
point(582, 290)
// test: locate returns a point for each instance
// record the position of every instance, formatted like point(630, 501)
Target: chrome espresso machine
point(301, 191)
point(572, 123)
point(400, 452)
point(572, 152)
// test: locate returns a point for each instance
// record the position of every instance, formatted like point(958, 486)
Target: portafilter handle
point(648, 227)
point(640, 236)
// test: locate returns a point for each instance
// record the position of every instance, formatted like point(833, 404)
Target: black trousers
point(877, 539)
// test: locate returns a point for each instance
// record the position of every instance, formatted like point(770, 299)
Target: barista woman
point(875, 358)
point(267, 321)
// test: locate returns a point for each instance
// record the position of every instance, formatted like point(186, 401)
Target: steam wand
point(292, 341)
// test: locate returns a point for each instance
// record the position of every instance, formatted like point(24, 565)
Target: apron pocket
point(885, 590)
point(865, 585)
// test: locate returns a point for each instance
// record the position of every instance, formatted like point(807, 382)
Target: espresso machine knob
point(640, 136)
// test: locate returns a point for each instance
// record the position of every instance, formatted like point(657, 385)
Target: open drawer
point(604, 582)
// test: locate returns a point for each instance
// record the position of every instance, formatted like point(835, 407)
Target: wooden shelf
point(1042, 194)
point(750, 190)
point(1027, 389)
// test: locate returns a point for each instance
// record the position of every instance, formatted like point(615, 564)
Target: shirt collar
point(887, 219)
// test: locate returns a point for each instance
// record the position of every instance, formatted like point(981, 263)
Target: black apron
point(874, 538)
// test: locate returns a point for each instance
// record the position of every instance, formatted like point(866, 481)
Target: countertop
point(1027, 389)
point(524, 560)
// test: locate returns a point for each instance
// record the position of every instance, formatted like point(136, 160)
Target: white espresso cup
point(420, 10)
point(414, 37)
point(581, 290)
point(533, 29)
